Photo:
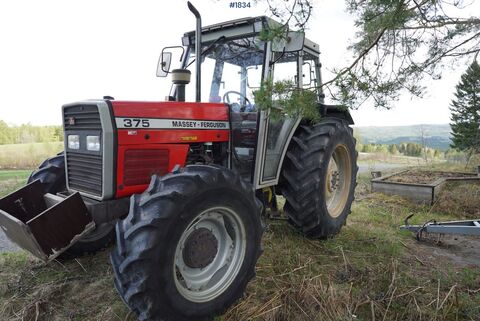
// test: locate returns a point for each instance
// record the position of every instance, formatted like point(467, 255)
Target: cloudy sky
point(59, 51)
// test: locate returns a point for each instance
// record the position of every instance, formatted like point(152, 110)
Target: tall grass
point(461, 199)
point(27, 156)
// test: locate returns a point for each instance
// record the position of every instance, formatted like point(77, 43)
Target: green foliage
point(400, 42)
point(465, 110)
point(28, 133)
point(274, 33)
point(396, 45)
point(455, 156)
point(285, 99)
point(413, 149)
point(393, 149)
point(407, 149)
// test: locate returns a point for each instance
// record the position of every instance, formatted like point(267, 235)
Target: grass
point(370, 271)
point(11, 180)
point(27, 156)
point(460, 199)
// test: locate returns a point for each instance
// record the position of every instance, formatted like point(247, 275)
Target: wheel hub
point(334, 180)
point(200, 249)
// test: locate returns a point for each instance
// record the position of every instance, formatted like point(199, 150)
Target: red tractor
point(182, 186)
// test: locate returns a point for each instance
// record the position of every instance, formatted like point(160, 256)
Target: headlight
point(73, 141)
point(93, 143)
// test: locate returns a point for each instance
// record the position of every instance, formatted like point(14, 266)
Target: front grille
point(82, 117)
point(84, 168)
point(140, 164)
point(85, 172)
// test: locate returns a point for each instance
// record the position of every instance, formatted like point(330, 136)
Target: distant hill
point(436, 136)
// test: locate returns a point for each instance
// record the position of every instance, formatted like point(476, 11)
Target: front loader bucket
point(44, 224)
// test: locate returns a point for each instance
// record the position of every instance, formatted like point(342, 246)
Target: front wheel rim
point(204, 278)
point(338, 181)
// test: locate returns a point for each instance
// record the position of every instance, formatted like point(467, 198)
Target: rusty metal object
point(44, 224)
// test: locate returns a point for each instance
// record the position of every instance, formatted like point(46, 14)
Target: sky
point(54, 52)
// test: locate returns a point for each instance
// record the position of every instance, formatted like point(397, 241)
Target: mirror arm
point(176, 47)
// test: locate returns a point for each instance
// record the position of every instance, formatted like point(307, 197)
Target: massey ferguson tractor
point(182, 187)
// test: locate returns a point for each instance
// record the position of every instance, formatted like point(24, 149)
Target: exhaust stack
point(198, 51)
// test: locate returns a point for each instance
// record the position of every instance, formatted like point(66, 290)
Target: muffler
point(44, 224)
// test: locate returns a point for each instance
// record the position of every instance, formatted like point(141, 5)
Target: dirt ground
point(424, 177)
point(459, 251)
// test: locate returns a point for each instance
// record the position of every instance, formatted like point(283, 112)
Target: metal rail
point(467, 227)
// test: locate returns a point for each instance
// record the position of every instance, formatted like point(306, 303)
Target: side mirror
point(292, 43)
point(164, 62)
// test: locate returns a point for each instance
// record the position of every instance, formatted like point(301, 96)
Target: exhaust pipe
point(198, 51)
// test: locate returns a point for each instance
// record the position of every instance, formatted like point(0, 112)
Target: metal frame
point(466, 227)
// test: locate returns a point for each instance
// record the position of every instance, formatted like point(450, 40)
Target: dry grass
point(460, 199)
point(370, 271)
point(73, 290)
point(23, 156)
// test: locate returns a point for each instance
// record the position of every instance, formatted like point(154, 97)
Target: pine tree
point(465, 109)
point(393, 149)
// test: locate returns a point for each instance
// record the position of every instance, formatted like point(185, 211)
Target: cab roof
point(240, 28)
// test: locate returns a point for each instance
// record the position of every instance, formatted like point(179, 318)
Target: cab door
point(274, 135)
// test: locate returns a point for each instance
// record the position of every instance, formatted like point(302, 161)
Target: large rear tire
point(320, 177)
point(189, 245)
point(51, 174)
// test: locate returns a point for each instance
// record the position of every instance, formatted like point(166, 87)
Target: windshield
point(231, 71)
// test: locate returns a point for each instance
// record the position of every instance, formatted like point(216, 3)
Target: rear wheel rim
point(338, 181)
point(202, 284)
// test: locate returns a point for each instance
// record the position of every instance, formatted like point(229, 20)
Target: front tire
point(189, 245)
point(320, 177)
point(51, 174)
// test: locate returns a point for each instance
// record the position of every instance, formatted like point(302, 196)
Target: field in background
point(393, 159)
point(370, 271)
point(27, 156)
point(11, 180)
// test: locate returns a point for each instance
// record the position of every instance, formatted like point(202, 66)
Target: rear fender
point(336, 111)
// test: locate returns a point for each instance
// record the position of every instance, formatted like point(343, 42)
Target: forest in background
point(27, 133)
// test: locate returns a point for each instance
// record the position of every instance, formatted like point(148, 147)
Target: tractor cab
point(235, 60)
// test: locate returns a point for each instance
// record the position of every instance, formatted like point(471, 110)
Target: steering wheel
point(226, 98)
